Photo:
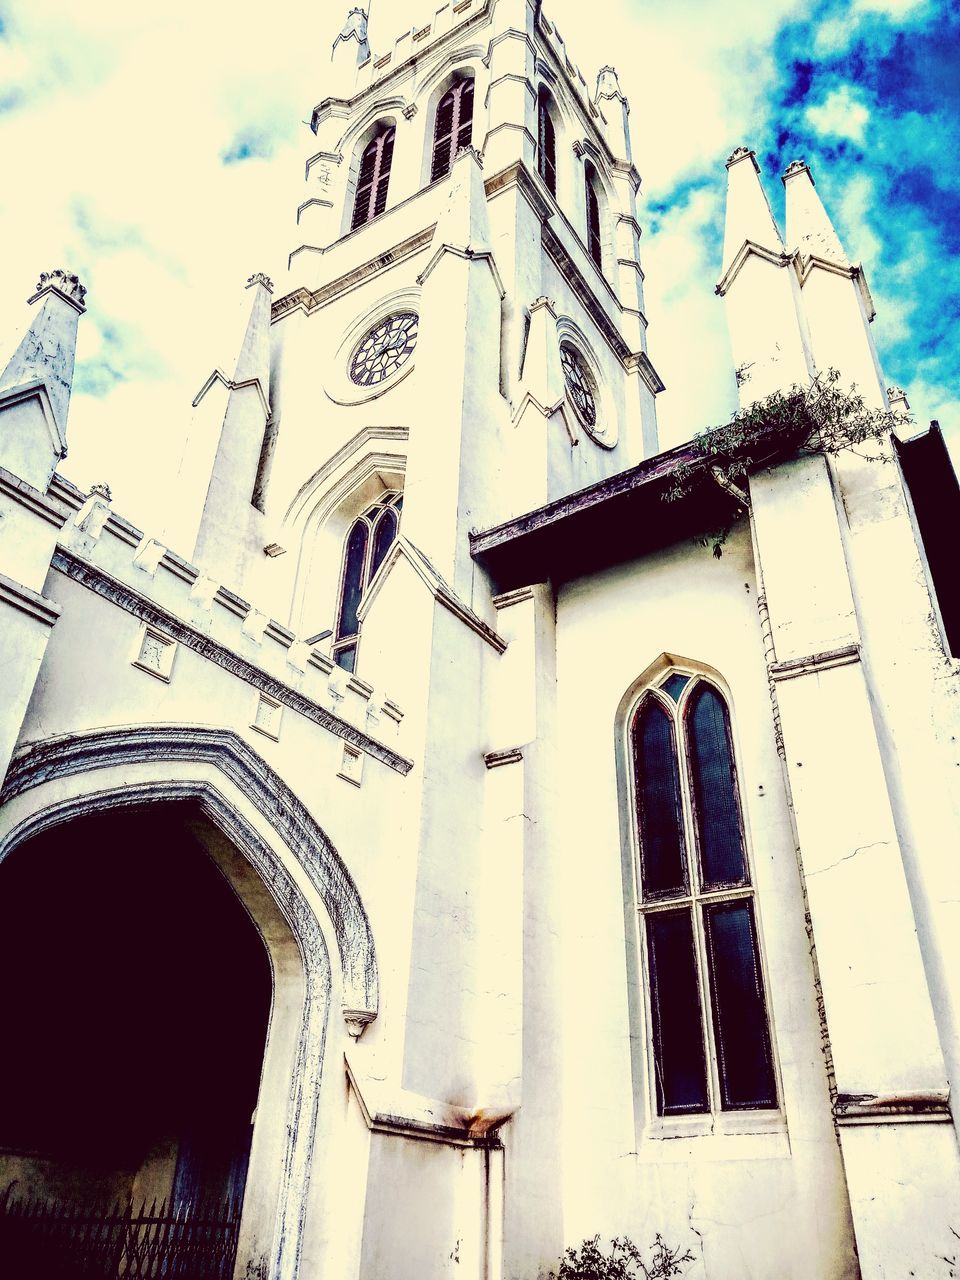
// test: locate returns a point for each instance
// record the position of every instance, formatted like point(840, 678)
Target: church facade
point(441, 857)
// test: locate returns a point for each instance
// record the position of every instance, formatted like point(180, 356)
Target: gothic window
point(374, 177)
point(384, 349)
point(454, 127)
point(546, 142)
point(580, 384)
point(370, 538)
point(594, 244)
point(710, 1037)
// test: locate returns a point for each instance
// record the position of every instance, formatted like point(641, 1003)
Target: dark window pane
point(347, 658)
point(347, 624)
point(383, 539)
point(739, 1013)
point(593, 220)
point(663, 869)
point(674, 685)
point(547, 150)
point(454, 127)
point(715, 803)
point(679, 1059)
point(373, 178)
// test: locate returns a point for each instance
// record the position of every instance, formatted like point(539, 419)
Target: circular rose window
point(384, 350)
point(581, 387)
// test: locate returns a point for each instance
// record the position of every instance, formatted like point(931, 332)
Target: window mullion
point(696, 909)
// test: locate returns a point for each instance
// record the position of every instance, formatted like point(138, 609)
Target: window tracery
point(710, 1040)
point(454, 126)
point(369, 539)
point(546, 142)
point(580, 384)
point(384, 349)
point(594, 242)
point(373, 179)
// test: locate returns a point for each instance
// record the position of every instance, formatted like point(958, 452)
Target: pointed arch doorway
point(295, 889)
point(145, 953)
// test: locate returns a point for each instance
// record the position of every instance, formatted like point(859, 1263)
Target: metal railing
point(60, 1240)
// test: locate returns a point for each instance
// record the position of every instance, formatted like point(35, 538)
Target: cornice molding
point(749, 248)
point(21, 598)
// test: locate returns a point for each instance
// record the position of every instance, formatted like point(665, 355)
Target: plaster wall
point(755, 1194)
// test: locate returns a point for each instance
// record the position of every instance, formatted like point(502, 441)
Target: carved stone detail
point(64, 282)
point(259, 278)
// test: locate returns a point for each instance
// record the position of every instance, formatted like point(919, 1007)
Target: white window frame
point(715, 1120)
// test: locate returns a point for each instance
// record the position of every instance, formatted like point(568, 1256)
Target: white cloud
point(841, 115)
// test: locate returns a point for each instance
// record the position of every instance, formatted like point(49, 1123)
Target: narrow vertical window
point(710, 1036)
point(594, 245)
point(454, 127)
point(374, 177)
point(370, 538)
point(546, 143)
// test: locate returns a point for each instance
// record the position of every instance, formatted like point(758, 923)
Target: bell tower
point(463, 318)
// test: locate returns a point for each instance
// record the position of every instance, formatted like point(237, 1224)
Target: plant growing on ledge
point(823, 417)
point(624, 1261)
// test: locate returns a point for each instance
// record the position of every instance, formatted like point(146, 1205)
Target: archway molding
point(50, 783)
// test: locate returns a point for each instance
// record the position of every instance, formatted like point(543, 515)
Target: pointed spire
point(254, 358)
point(748, 211)
point(608, 85)
point(809, 228)
point(542, 375)
point(350, 50)
point(242, 354)
point(45, 358)
point(463, 227)
point(615, 110)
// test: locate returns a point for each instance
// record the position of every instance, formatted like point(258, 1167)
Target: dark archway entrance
point(135, 997)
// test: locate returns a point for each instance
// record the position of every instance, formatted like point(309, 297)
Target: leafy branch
point(624, 1261)
point(823, 417)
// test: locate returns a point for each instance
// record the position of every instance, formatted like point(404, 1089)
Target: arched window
point(370, 538)
point(374, 177)
point(594, 244)
point(454, 127)
point(546, 142)
point(709, 1030)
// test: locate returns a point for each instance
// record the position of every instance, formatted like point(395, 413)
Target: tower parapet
point(36, 383)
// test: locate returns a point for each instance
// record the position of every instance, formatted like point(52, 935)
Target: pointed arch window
point(374, 177)
point(546, 142)
point(709, 1031)
point(594, 243)
point(369, 539)
point(454, 127)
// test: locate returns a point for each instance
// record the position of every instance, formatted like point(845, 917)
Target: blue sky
point(158, 151)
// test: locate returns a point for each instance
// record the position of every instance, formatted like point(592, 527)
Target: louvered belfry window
point(371, 536)
point(454, 127)
point(374, 177)
point(709, 1029)
point(594, 244)
point(546, 143)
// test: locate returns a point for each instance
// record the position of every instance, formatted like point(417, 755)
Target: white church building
point(442, 857)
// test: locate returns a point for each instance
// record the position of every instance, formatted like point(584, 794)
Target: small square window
point(154, 653)
point(266, 717)
point(351, 766)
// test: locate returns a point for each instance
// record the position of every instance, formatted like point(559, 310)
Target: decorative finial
point(102, 491)
point(795, 167)
point(897, 395)
point(355, 27)
point(742, 153)
point(65, 283)
point(608, 85)
point(259, 278)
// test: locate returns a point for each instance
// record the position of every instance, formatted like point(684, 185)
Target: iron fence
point(60, 1240)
